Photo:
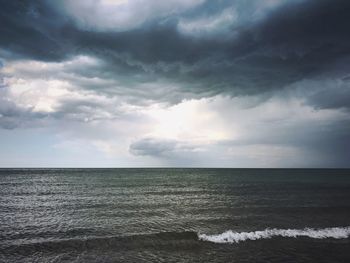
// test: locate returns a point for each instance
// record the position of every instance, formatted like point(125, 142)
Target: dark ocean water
point(174, 215)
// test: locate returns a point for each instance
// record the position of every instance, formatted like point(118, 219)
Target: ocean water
point(174, 215)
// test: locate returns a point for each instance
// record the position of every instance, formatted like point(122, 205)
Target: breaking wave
point(236, 237)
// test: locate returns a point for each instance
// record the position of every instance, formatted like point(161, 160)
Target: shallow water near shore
point(174, 215)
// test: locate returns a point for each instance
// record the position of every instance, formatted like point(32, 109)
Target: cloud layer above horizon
point(185, 83)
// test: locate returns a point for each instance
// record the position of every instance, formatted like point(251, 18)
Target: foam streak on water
point(236, 237)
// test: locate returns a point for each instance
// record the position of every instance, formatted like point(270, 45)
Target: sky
point(175, 83)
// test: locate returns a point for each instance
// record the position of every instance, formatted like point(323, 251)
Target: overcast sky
point(187, 83)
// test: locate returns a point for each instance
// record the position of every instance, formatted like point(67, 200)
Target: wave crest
point(236, 237)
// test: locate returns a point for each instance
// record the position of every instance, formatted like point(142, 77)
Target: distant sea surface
point(174, 215)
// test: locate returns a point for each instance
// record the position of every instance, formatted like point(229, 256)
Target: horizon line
point(174, 167)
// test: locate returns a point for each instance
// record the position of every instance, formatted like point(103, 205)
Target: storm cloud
point(94, 62)
point(298, 40)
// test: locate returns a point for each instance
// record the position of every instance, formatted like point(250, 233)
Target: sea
point(174, 215)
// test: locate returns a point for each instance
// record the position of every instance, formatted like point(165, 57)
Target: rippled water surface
point(174, 215)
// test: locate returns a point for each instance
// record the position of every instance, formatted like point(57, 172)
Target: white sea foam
point(236, 237)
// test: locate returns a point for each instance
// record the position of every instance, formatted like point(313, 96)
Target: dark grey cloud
point(300, 49)
point(336, 97)
point(164, 148)
point(152, 147)
point(299, 40)
point(170, 151)
point(13, 116)
point(31, 29)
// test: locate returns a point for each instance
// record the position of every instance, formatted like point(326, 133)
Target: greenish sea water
point(174, 215)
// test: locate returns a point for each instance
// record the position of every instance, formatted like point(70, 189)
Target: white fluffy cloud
point(216, 131)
